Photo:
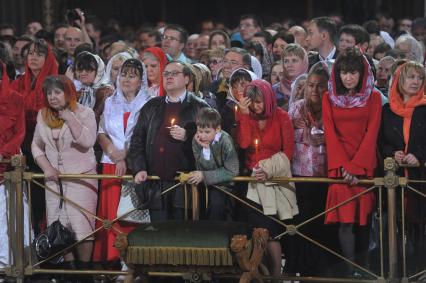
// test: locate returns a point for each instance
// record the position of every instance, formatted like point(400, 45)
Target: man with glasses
point(235, 58)
point(249, 25)
point(161, 143)
point(173, 42)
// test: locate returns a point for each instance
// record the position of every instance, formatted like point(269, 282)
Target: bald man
point(299, 34)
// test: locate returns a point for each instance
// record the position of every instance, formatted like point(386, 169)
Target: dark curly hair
point(350, 60)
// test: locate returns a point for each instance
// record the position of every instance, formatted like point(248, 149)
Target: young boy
point(216, 161)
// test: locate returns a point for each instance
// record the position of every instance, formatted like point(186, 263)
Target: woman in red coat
point(12, 131)
point(259, 119)
point(351, 116)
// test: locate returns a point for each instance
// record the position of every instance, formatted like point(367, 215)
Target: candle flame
point(172, 122)
point(236, 108)
point(256, 142)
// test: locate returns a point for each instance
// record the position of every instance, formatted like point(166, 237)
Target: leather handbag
point(55, 238)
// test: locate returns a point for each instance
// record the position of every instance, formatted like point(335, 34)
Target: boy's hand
point(195, 177)
point(203, 144)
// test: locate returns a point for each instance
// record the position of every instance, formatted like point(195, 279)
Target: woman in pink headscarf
point(295, 63)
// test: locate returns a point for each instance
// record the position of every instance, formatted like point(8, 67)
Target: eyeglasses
point(171, 38)
point(215, 61)
point(173, 74)
point(232, 62)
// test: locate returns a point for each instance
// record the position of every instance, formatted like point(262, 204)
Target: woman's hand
point(195, 177)
point(66, 114)
point(51, 174)
point(399, 156)
point(117, 155)
point(317, 139)
point(300, 123)
point(349, 178)
point(410, 159)
point(141, 176)
point(244, 104)
point(178, 133)
point(120, 168)
point(260, 175)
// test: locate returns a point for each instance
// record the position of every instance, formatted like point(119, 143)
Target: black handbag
point(55, 238)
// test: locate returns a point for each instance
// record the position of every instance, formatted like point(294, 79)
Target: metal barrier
point(22, 266)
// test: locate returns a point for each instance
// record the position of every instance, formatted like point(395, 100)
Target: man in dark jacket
point(161, 143)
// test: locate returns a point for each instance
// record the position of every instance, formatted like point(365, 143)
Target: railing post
point(391, 181)
point(17, 192)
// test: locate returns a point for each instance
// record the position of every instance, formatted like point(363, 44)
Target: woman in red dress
point(351, 115)
point(260, 119)
point(115, 130)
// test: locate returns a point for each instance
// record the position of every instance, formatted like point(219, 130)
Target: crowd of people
point(320, 99)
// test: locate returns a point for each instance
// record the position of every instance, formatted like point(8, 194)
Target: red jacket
point(278, 135)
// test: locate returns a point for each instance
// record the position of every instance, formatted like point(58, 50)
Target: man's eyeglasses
point(174, 74)
point(171, 38)
point(232, 62)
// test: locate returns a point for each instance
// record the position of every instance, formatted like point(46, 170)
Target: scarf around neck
point(405, 109)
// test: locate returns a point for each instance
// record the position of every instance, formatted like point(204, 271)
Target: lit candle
point(235, 113)
point(256, 148)
point(172, 122)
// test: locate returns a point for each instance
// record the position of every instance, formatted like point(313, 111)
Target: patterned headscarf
point(341, 100)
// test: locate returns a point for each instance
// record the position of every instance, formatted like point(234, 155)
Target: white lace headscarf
point(116, 105)
point(87, 97)
point(123, 56)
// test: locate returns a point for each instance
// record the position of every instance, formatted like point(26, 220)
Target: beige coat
point(276, 199)
point(77, 158)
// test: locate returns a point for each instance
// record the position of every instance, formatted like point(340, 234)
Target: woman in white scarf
point(115, 130)
point(114, 65)
point(92, 82)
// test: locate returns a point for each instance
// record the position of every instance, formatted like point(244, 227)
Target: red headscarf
point(405, 109)
point(50, 115)
point(33, 97)
point(269, 101)
point(162, 59)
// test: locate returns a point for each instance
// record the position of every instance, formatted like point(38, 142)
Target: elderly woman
point(295, 63)
point(114, 65)
point(410, 47)
point(403, 135)
point(266, 133)
point(63, 144)
point(115, 130)
point(155, 60)
point(351, 112)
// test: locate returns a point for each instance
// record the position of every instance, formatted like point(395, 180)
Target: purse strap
point(61, 192)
